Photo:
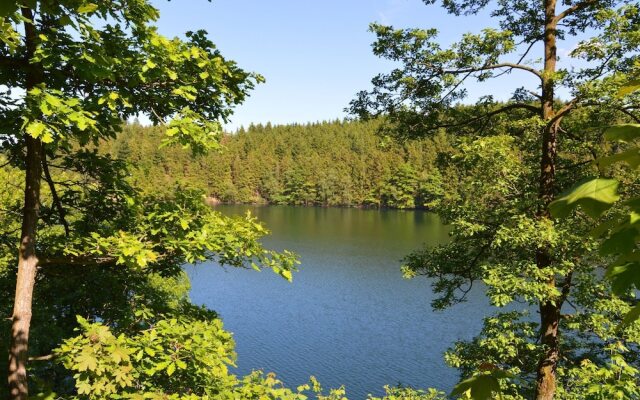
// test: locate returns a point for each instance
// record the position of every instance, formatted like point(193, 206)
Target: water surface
point(348, 318)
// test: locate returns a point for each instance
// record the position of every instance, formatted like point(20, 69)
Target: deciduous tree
point(418, 96)
point(71, 72)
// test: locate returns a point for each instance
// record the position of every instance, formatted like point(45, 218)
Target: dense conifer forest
point(337, 163)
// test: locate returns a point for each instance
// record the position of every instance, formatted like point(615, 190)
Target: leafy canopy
point(71, 72)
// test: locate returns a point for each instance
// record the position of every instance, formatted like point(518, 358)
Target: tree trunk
point(27, 258)
point(27, 264)
point(549, 312)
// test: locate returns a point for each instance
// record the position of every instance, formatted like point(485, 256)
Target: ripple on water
point(349, 317)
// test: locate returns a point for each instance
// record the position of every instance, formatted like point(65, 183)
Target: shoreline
point(214, 201)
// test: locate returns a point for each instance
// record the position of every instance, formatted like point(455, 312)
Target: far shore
point(215, 201)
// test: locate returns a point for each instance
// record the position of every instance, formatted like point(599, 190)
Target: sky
point(315, 54)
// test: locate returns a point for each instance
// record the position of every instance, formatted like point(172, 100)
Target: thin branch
point(522, 57)
point(160, 119)
point(602, 68)
point(443, 98)
point(529, 107)
point(576, 165)
point(472, 264)
point(75, 261)
point(534, 94)
point(571, 304)
point(533, 42)
point(496, 66)
point(87, 261)
point(54, 194)
point(630, 114)
point(566, 288)
point(42, 358)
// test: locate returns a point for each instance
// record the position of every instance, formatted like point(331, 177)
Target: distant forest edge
point(337, 163)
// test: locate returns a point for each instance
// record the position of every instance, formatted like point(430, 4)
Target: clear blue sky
point(314, 54)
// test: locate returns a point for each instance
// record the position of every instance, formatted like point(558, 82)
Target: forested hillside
point(335, 163)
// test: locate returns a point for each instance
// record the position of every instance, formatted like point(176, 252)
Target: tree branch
point(630, 114)
point(443, 98)
point(575, 165)
point(522, 57)
point(566, 288)
point(529, 107)
point(54, 194)
point(89, 261)
point(576, 7)
point(562, 112)
point(75, 261)
point(12, 62)
point(534, 94)
point(42, 358)
point(496, 66)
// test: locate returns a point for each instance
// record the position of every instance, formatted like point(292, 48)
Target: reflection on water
point(348, 318)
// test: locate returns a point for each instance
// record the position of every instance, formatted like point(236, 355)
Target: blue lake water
point(348, 318)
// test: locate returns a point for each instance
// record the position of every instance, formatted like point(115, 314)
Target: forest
point(100, 216)
point(335, 163)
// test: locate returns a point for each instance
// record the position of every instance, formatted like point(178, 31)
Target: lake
point(348, 318)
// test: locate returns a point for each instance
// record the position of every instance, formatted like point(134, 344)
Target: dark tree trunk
point(549, 312)
point(27, 258)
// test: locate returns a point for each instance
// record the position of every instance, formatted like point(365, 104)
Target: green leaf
point(623, 132)
point(624, 276)
point(8, 7)
point(602, 228)
point(65, 20)
point(595, 196)
point(631, 157)
point(53, 101)
point(48, 395)
point(35, 129)
point(47, 137)
point(480, 387)
point(86, 361)
point(620, 242)
point(171, 369)
point(84, 387)
point(629, 88)
point(119, 354)
point(87, 8)
point(286, 274)
point(631, 317)
point(633, 204)
point(44, 107)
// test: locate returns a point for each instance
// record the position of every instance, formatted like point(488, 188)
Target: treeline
point(338, 163)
